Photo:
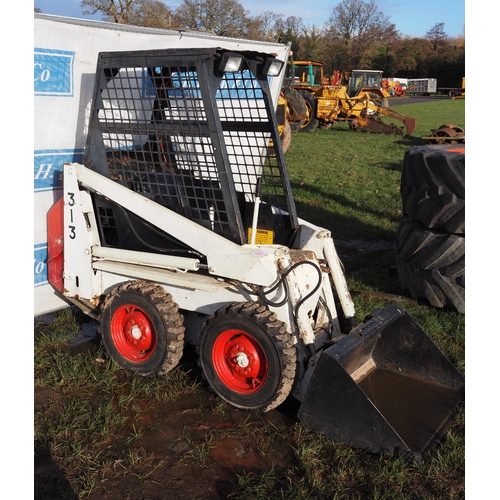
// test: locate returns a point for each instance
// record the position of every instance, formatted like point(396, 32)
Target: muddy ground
point(177, 436)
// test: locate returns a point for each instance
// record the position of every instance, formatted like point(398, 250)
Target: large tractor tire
point(311, 122)
point(142, 328)
point(296, 108)
point(247, 356)
point(431, 265)
point(433, 187)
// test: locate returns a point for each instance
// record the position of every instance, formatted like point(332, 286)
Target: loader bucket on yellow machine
point(410, 125)
point(385, 387)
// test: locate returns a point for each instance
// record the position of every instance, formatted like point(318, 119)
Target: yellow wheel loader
point(284, 128)
point(180, 226)
point(356, 97)
point(366, 81)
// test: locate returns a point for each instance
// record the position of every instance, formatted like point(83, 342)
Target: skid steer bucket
point(385, 387)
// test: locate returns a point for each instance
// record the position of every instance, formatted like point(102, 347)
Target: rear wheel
point(311, 122)
point(247, 356)
point(142, 328)
point(296, 108)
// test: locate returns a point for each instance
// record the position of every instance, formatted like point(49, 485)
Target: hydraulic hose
point(282, 281)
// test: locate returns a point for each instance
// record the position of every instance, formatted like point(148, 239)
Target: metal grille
point(164, 125)
point(251, 151)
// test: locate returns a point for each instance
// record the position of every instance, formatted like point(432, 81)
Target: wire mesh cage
point(182, 130)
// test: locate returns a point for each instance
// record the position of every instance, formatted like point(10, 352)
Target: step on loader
point(181, 226)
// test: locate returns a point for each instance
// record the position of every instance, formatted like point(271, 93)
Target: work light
point(230, 63)
point(272, 67)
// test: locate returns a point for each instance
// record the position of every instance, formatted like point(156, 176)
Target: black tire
point(248, 357)
point(327, 126)
point(433, 187)
point(297, 107)
point(142, 328)
point(431, 265)
point(311, 122)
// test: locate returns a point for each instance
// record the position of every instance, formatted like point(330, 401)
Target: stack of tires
point(430, 245)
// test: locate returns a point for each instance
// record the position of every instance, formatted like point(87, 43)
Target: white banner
point(65, 58)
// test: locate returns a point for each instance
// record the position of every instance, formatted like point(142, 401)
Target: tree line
point(356, 35)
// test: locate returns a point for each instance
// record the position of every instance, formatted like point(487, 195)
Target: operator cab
point(364, 79)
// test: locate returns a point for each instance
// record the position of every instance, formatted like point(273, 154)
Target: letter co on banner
point(54, 72)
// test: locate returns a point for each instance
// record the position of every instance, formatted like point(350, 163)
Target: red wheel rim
point(240, 361)
point(133, 333)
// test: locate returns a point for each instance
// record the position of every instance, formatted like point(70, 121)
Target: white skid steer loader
point(181, 227)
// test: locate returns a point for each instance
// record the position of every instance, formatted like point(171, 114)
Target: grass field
point(349, 182)
point(105, 434)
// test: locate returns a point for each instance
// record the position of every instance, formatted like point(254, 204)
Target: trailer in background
point(454, 92)
point(422, 86)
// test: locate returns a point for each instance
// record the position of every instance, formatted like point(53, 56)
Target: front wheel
point(142, 328)
point(247, 356)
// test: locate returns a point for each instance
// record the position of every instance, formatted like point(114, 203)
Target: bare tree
point(267, 26)
point(152, 13)
point(290, 30)
point(436, 35)
point(221, 17)
point(118, 11)
point(310, 43)
point(358, 21)
point(363, 30)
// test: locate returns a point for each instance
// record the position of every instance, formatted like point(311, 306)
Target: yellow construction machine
point(458, 93)
point(357, 97)
point(366, 81)
point(284, 129)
